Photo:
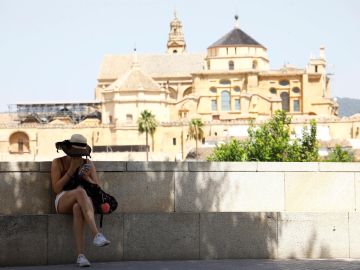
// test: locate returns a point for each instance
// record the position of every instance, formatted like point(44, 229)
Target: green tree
point(271, 142)
point(232, 151)
point(339, 155)
point(196, 132)
point(148, 124)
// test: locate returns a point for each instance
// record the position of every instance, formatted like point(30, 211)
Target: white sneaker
point(82, 261)
point(100, 240)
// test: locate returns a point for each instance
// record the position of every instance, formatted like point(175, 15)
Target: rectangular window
point(174, 141)
point(129, 118)
point(237, 104)
point(214, 105)
point(296, 104)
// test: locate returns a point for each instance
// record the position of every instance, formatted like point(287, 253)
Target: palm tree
point(147, 123)
point(196, 132)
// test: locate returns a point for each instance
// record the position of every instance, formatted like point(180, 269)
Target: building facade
point(226, 86)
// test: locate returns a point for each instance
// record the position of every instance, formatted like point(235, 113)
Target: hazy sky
point(51, 50)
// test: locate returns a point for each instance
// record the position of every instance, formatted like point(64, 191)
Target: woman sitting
point(71, 198)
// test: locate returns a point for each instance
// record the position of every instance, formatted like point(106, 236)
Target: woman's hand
point(75, 162)
point(85, 172)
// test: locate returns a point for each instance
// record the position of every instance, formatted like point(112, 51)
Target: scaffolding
point(46, 112)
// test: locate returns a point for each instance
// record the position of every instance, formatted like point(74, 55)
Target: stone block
point(354, 235)
point(45, 166)
point(288, 166)
point(140, 191)
point(23, 240)
point(110, 166)
point(238, 235)
point(339, 166)
point(156, 166)
point(229, 191)
point(20, 166)
point(222, 166)
point(61, 242)
point(24, 193)
point(313, 235)
point(357, 191)
point(319, 191)
point(161, 236)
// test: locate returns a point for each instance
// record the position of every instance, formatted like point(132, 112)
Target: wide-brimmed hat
point(75, 147)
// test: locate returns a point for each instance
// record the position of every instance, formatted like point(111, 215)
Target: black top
point(236, 37)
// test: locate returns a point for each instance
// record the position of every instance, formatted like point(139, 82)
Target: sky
point(51, 50)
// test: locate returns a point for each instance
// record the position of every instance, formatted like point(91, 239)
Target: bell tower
point(176, 42)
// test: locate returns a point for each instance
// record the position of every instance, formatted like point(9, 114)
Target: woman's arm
point(57, 181)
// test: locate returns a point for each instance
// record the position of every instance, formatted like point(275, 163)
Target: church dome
point(236, 37)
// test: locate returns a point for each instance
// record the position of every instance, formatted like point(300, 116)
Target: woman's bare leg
point(79, 196)
point(78, 228)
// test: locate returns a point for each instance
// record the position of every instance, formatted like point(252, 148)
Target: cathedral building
point(232, 81)
point(226, 86)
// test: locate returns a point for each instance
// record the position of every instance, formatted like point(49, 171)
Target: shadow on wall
point(225, 231)
point(141, 187)
point(24, 190)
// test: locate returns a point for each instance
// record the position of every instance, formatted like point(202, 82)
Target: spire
point(176, 42)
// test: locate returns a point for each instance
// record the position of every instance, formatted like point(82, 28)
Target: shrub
point(232, 151)
point(339, 155)
point(271, 142)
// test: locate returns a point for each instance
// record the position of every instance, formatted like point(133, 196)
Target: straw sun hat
point(75, 147)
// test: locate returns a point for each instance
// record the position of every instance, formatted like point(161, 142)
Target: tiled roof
point(155, 65)
point(134, 79)
point(235, 37)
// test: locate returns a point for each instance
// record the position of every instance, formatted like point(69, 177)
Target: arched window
point(172, 93)
point(225, 82)
point(237, 89)
point(19, 143)
point(231, 65)
point(213, 90)
point(187, 92)
point(254, 64)
point(284, 82)
point(284, 101)
point(225, 101)
point(296, 90)
point(273, 90)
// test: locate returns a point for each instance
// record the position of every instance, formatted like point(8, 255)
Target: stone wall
point(189, 210)
point(195, 187)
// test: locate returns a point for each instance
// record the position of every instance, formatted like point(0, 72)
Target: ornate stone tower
point(176, 42)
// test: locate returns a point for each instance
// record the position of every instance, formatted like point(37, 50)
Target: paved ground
point(213, 265)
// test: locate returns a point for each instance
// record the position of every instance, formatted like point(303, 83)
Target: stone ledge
point(156, 166)
point(288, 166)
point(222, 166)
point(339, 166)
point(21, 166)
point(48, 239)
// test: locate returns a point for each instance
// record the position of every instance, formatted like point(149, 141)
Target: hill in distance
point(348, 106)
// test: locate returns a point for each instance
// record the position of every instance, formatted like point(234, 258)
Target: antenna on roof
point(135, 62)
point(236, 21)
